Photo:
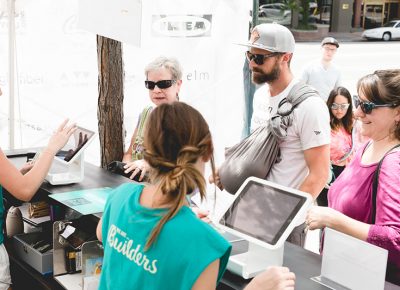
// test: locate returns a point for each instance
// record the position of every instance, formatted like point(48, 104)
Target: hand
point(60, 136)
point(274, 278)
point(320, 216)
point(26, 167)
point(201, 214)
point(217, 180)
point(135, 167)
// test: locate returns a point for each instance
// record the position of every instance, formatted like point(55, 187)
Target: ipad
point(76, 144)
point(264, 212)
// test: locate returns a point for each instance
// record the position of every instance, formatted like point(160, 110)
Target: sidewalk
point(318, 35)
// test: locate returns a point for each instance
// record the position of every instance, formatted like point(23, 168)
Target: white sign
point(352, 263)
point(117, 19)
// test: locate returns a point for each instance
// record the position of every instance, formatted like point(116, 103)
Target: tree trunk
point(110, 112)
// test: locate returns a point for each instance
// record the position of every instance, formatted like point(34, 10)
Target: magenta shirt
point(351, 194)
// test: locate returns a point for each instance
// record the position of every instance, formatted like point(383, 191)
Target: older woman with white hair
point(163, 80)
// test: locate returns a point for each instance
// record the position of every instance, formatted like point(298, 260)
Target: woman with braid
point(151, 238)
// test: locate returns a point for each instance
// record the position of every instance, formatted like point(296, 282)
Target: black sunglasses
point(259, 58)
point(164, 84)
point(367, 107)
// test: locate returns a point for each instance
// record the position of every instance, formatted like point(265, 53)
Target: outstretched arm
point(319, 217)
point(25, 186)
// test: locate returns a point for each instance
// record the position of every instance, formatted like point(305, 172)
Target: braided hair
point(176, 137)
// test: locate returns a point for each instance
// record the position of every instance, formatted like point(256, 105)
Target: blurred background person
point(342, 144)
point(322, 74)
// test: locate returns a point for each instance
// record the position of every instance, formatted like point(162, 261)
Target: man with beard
point(322, 74)
point(304, 163)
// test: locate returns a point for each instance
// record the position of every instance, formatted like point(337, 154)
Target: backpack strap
point(298, 93)
point(375, 183)
point(143, 118)
point(137, 146)
point(283, 118)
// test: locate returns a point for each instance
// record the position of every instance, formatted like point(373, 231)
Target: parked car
point(273, 10)
point(387, 32)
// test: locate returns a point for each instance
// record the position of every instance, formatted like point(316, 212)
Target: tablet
point(76, 144)
point(265, 213)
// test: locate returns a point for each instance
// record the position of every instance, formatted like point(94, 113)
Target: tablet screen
point(75, 144)
point(263, 212)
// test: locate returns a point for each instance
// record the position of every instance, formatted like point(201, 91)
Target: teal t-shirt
point(1, 215)
point(184, 248)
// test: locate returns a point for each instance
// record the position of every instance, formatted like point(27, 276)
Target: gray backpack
point(256, 154)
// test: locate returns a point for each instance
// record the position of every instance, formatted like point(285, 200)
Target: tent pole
point(11, 69)
point(254, 21)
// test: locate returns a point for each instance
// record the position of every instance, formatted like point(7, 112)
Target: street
point(355, 59)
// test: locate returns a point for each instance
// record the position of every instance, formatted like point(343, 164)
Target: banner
point(203, 36)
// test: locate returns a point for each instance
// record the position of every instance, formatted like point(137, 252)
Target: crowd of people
point(331, 134)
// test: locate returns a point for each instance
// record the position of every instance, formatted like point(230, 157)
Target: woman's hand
point(135, 167)
point(274, 278)
point(60, 136)
point(202, 214)
point(320, 216)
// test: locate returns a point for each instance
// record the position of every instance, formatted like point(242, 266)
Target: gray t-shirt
point(323, 80)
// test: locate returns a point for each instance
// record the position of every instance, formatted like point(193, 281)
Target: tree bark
point(110, 112)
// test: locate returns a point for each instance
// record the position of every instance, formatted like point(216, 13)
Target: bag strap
point(143, 118)
point(375, 183)
point(297, 94)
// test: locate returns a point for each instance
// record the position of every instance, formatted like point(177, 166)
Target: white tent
point(54, 74)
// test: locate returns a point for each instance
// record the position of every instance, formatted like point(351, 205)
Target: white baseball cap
point(330, 40)
point(272, 37)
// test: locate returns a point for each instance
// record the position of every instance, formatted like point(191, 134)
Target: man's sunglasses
point(164, 84)
point(367, 107)
point(343, 107)
point(259, 58)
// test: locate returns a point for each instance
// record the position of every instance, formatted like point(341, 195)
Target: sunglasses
point(164, 84)
point(367, 107)
point(259, 58)
point(343, 107)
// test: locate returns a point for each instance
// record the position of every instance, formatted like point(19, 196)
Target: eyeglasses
point(329, 48)
point(259, 58)
point(343, 107)
point(367, 107)
point(164, 84)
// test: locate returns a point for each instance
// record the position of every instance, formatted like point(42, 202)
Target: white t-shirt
point(310, 128)
point(323, 80)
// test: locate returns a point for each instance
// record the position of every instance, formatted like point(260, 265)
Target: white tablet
point(76, 144)
point(264, 213)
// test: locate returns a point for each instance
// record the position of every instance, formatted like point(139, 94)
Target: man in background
point(322, 74)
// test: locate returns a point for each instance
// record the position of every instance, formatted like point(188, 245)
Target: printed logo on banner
point(181, 25)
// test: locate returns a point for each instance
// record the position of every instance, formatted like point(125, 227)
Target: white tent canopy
point(54, 72)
